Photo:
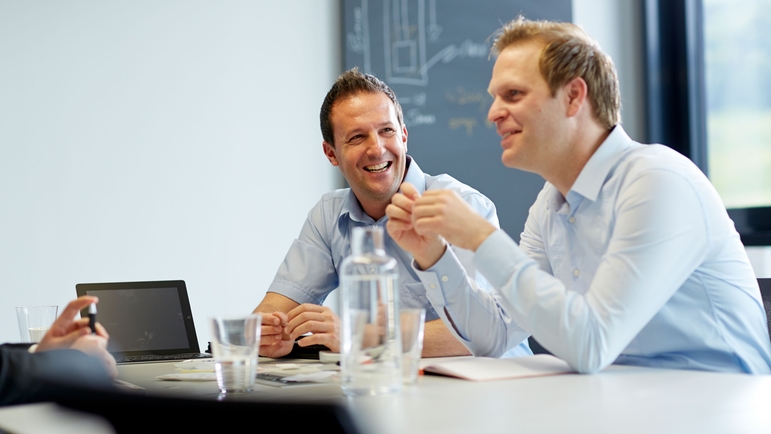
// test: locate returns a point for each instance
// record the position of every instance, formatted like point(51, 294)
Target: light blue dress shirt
point(310, 269)
point(639, 265)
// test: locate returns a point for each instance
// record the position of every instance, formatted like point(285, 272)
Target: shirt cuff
point(443, 278)
point(295, 293)
point(32, 348)
point(498, 257)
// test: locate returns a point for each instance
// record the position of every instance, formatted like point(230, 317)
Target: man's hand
point(66, 329)
point(96, 346)
point(438, 341)
point(426, 247)
point(274, 342)
point(68, 332)
point(443, 212)
point(318, 320)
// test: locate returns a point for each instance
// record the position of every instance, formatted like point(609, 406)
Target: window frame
point(676, 96)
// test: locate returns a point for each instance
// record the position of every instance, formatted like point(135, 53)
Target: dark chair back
point(535, 347)
point(765, 294)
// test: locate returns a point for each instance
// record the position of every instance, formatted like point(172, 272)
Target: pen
point(92, 317)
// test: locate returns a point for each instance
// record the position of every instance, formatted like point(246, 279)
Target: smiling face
point(370, 148)
point(530, 121)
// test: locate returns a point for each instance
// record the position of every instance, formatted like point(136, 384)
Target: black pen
point(92, 317)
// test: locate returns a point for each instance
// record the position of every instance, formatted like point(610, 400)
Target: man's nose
point(496, 112)
point(376, 147)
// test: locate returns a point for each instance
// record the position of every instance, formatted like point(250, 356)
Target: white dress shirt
point(639, 265)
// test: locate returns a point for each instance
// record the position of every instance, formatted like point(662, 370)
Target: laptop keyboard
point(160, 357)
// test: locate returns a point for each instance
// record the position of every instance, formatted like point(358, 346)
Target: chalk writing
point(463, 97)
point(467, 123)
point(414, 118)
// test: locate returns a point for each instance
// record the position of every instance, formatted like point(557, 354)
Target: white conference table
point(617, 400)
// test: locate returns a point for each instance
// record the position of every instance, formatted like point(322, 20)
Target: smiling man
point(365, 138)
point(628, 255)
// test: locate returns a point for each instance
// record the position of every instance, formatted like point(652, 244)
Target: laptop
point(147, 321)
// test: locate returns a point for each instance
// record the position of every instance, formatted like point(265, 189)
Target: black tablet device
point(147, 321)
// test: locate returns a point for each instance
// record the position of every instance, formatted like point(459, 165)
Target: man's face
point(527, 117)
point(370, 146)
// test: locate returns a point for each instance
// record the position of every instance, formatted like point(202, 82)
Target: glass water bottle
point(370, 342)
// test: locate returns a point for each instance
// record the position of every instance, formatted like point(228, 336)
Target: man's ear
point(404, 137)
point(576, 92)
point(329, 152)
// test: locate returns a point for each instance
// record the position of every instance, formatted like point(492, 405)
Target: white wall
point(617, 26)
point(149, 140)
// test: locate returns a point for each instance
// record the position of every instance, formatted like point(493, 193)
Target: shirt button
point(444, 278)
point(572, 219)
point(576, 272)
point(432, 286)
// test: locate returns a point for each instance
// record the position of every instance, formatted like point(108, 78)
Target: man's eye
point(512, 94)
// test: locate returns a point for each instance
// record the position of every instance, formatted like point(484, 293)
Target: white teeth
point(377, 168)
point(506, 134)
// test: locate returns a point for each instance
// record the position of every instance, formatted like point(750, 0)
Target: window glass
point(737, 40)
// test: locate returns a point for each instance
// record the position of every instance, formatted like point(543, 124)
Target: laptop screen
point(144, 317)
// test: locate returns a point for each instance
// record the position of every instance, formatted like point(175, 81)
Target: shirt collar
point(596, 171)
point(353, 210)
point(415, 176)
point(554, 199)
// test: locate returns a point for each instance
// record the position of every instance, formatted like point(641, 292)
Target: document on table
point(487, 368)
point(271, 372)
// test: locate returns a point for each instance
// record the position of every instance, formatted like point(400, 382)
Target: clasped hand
point(280, 330)
point(421, 224)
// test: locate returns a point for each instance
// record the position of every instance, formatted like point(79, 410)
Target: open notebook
point(486, 368)
point(147, 321)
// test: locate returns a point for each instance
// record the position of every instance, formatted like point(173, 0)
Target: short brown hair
point(569, 53)
point(350, 83)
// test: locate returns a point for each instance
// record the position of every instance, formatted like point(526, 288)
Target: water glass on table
point(412, 326)
point(35, 321)
point(235, 343)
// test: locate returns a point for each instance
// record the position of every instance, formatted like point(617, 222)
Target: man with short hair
point(365, 137)
point(628, 255)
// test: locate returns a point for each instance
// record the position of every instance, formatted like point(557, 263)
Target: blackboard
point(435, 56)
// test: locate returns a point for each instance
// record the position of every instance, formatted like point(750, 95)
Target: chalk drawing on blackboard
point(358, 38)
point(407, 27)
point(404, 33)
point(434, 29)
